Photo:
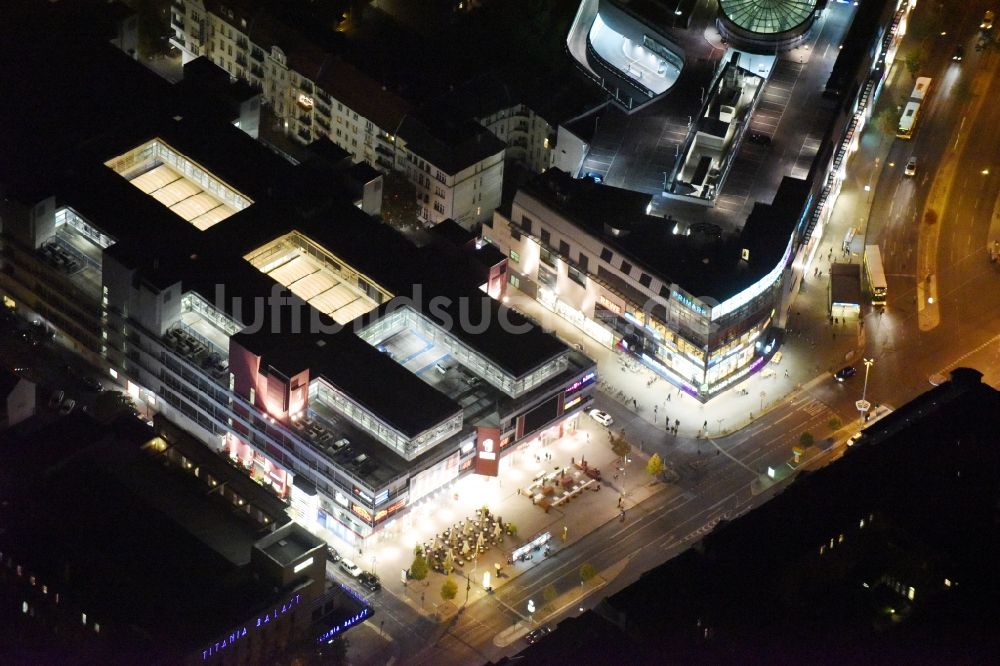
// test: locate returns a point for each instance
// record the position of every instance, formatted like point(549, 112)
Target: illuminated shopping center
point(697, 307)
point(255, 303)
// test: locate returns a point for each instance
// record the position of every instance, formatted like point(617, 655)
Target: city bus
point(908, 121)
point(875, 274)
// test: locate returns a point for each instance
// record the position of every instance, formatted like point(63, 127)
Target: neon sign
point(330, 633)
point(241, 632)
point(580, 383)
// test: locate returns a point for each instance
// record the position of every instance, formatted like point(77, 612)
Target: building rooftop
point(122, 559)
point(705, 262)
point(288, 543)
point(767, 17)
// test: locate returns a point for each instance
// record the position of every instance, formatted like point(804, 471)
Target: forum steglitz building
point(256, 304)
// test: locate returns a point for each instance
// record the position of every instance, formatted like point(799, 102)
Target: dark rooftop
point(708, 265)
point(74, 519)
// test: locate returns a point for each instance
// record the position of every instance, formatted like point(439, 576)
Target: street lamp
point(863, 405)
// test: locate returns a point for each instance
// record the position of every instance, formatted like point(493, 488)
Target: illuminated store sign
point(487, 446)
point(250, 627)
point(332, 632)
point(572, 402)
point(688, 302)
point(580, 383)
point(754, 290)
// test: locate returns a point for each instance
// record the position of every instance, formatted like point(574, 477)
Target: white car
point(350, 568)
point(601, 417)
point(911, 167)
point(853, 439)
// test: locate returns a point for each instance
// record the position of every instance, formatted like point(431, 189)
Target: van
point(443, 367)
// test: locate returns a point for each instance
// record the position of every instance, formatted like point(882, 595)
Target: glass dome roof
point(767, 16)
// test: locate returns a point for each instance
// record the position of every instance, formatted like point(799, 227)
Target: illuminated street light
point(863, 405)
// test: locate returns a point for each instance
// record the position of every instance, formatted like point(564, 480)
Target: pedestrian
point(786, 372)
point(705, 424)
point(635, 403)
point(677, 423)
point(668, 397)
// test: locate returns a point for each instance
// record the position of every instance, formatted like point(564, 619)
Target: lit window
point(97, 627)
point(114, 373)
point(24, 606)
point(83, 618)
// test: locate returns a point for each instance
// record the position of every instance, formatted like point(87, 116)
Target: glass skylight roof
point(767, 16)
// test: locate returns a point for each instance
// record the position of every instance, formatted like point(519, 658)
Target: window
point(626, 267)
point(564, 248)
point(515, 281)
point(665, 291)
point(546, 277)
point(515, 256)
point(583, 261)
point(547, 257)
point(645, 280)
point(606, 255)
point(526, 224)
point(546, 237)
point(577, 276)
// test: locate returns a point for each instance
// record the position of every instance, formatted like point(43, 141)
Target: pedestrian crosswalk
point(812, 407)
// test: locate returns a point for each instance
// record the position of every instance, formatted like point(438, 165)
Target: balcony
point(177, 21)
point(257, 70)
point(306, 120)
point(304, 135)
point(242, 43)
point(257, 54)
point(382, 150)
point(384, 163)
point(241, 60)
point(323, 123)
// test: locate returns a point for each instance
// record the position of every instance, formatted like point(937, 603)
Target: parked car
point(538, 634)
point(846, 372)
point(601, 417)
point(332, 554)
point(595, 176)
point(67, 407)
point(443, 367)
point(911, 167)
point(759, 138)
point(370, 581)
point(56, 399)
point(853, 439)
point(350, 568)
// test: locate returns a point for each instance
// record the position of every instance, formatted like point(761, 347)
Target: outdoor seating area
point(316, 432)
point(466, 540)
point(549, 489)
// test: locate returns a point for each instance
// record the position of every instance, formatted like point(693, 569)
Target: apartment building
point(455, 164)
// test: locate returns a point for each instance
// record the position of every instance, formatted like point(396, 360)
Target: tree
point(806, 439)
point(834, 423)
point(418, 569)
point(587, 572)
point(448, 589)
point(112, 404)
point(914, 62)
point(887, 120)
point(399, 201)
point(154, 28)
point(655, 465)
point(620, 445)
point(549, 594)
